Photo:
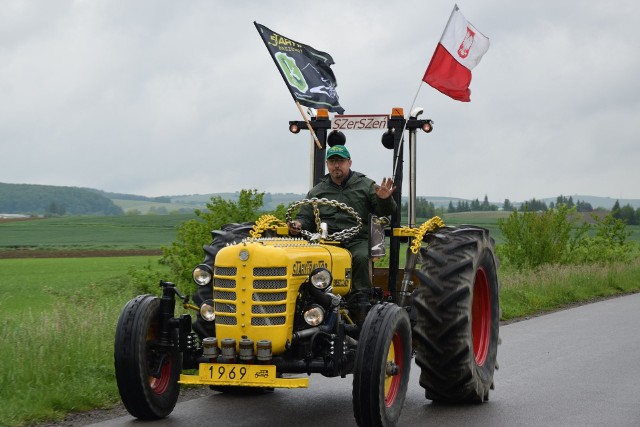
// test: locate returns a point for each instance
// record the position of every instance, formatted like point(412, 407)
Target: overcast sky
point(181, 97)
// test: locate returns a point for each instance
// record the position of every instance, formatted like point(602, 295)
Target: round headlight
point(207, 311)
point(202, 275)
point(314, 315)
point(320, 278)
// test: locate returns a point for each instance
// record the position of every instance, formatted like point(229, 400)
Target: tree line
point(624, 213)
point(51, 200)
point(474, 206)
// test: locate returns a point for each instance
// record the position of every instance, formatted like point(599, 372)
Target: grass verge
point(552, 287)
point(60, 360)
point(56, 353)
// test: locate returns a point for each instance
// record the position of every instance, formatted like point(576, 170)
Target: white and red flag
point(460, 49)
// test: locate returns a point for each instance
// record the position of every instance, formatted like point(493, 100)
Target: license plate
point(237, 374)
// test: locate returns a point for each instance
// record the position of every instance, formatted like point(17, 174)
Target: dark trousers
point(360, 279)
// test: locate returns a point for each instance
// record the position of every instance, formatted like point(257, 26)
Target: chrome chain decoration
point(338, 236)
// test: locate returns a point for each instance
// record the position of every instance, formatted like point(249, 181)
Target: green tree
point(609, 243)
point(534, 205)
point(615, 210)
point(533, 238)
point(584, 206)
point(628, 214)
point(485, 204)
point(507, 206)
point(451, 208)
point(186, 251)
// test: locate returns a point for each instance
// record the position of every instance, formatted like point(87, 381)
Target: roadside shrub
point(145, 280)
point(556, 236)
point(608, 244)
point(536, 238)
point(186, 251)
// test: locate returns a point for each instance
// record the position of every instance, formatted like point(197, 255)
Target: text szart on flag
point(306, 70)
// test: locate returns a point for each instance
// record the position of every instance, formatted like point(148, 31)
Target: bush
point(533, 239)
point(609, 244)
point(186, 251)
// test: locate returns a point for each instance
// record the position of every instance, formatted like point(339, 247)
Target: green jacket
point(358, 193)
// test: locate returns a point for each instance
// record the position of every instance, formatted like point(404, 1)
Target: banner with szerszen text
point(305, 70)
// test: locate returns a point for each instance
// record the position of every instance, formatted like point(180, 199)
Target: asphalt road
point(576, 367)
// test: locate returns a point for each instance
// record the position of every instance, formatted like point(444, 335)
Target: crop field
point(112, 232)
point(59, 314)
point(153, 231)
point(144, 207)
point(35, 284)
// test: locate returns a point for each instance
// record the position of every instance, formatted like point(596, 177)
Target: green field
point(58, 318)
point(154, 231)
point(144, 207)
point(89, 232)
point(488, 220)
point(35, 284)
point(59, 314)
point(57, 326)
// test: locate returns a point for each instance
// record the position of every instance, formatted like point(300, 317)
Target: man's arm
point(303, 220)
point(385, 205)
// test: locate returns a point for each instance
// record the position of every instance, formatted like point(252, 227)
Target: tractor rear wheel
point(458, 315)
point(146, 372)
point(383, 361)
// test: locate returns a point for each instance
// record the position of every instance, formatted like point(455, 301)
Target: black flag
point(306, 71)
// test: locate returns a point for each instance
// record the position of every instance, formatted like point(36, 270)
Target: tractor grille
point(223, 307)
point(268, 308)
point(273, 297)
point(226, 271)
point(217, 295)
point(269, 271)
point(269, 284)
point(225, 283)
point(226, 320)
point(267, 321)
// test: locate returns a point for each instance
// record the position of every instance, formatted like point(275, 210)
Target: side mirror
point(377, 246)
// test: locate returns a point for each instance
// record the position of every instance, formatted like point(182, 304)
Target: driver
point(363, 195)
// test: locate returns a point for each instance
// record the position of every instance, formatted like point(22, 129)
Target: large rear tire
point(458, 315)
point(382, 366)
point(147, 374)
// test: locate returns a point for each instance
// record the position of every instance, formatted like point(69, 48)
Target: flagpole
point(313, 133)
point(404, 127)
point(395, 167)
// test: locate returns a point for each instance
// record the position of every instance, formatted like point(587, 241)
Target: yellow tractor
point(271, 310)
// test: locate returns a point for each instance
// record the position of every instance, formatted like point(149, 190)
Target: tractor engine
point(272, 288)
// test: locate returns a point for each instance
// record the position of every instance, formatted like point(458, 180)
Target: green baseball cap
point(338, 150)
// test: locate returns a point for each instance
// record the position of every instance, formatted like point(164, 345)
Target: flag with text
point(305, 70)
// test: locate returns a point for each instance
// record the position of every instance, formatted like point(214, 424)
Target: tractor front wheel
point(383, 361)
point(147, 371)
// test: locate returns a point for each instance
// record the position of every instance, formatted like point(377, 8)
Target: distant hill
point(53, 200)
point(271, 200)
point(48, 199)
point(122, 196)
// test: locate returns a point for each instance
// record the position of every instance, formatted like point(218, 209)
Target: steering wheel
point(338, 236)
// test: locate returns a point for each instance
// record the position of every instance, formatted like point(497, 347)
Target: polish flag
point(460, 49)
